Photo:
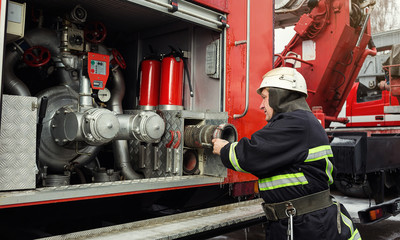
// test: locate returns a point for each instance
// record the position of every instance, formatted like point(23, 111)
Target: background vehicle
point(370, 136)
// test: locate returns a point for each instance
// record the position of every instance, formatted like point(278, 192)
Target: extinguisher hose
point(179, 54)
point(188, 76)
point(138, 82)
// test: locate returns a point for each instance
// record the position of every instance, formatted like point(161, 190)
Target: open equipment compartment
point(82, 63)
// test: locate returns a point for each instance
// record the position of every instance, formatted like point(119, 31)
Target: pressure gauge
point(104, 95)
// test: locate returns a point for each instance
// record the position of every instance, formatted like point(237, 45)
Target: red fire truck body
point(116, 102)
point(368, 110)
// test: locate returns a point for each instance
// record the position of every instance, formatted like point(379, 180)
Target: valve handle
point(95, 32)
point(36, 56)
point(118, 59)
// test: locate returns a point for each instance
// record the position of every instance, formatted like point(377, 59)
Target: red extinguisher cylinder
point(171, 90)
point(150, 84)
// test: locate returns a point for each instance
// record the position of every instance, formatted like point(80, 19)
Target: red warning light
point(376, 214)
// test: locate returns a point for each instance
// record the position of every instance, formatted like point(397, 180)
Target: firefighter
point(291, 157)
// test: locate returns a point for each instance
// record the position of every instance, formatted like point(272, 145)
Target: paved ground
point(385, 230)
point(353, 205)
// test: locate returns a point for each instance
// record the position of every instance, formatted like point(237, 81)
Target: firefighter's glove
point(218, 144)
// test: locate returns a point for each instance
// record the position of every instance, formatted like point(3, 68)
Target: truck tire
point(353, 189)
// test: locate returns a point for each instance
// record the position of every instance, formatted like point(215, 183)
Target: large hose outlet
point(145, 127)
point(201, 136)
point(98, 126)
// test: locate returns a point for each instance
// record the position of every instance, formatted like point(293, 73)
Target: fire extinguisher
point(172, 70)
point(149, 75)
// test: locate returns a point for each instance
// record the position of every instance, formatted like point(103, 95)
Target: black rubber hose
point(80, 173)
point(42, 113)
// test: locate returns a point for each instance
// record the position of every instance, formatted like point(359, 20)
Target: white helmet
point(285, 78)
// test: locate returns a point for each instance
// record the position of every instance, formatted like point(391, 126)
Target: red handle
point(36, 56)
point(95, 32)
point(168, 145)
point(118, 59)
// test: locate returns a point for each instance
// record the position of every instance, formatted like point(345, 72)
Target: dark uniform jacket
point(291, 157)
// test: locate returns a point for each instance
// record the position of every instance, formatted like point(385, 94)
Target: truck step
point(180, 225)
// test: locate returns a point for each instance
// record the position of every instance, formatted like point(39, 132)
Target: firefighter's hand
point(218, 144)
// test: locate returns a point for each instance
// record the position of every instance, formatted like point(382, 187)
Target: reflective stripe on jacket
point(321, 153)
point(314, 154)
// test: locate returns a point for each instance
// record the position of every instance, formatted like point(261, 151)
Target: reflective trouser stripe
point(233, 159)
point(320, 153)
point(280, 181)
point(355, 235)
point(348, 223)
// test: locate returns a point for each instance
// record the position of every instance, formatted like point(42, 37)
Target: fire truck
point(364, 148)
point(109, 107)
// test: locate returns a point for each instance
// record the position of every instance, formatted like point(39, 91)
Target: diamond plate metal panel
point(153, 163)
point(152, 159)
point(18, 143)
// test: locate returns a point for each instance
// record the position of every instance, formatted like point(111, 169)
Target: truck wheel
point(353, 189)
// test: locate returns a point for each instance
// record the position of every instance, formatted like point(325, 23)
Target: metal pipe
point(117, 93)
point(46, 38)
point(236, 116)
point(120, 147)
point(85, 97)
point(12, 84)
point(363, 30)
point(68, 78)
point(37, 37)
